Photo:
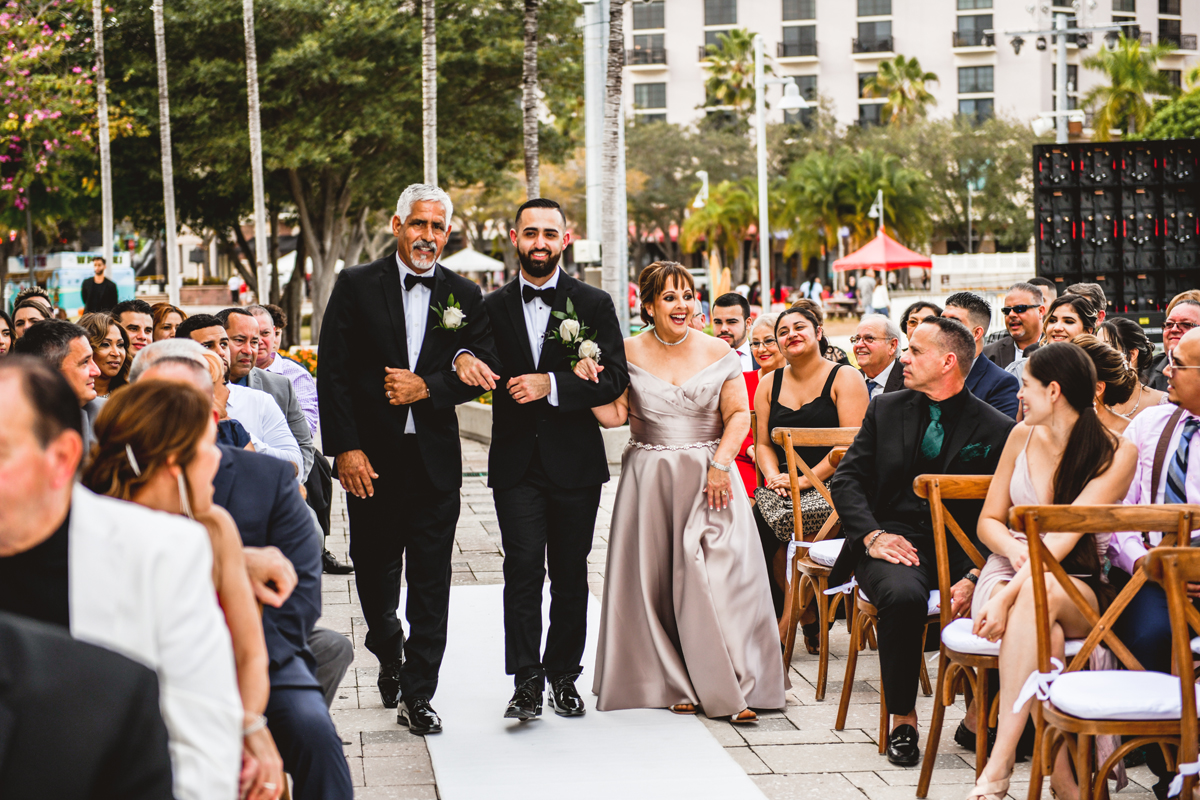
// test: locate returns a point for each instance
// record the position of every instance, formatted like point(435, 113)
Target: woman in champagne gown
point(687, 619)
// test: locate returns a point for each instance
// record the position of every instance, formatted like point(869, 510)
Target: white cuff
point(552, 398)
point(454, 361)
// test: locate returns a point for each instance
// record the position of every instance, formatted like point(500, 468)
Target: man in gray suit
point(242, 328)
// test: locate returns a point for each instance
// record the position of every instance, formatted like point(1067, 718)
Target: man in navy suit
point(990, 383)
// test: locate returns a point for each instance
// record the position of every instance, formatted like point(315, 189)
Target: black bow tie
point(412, 280)
point(547, 294)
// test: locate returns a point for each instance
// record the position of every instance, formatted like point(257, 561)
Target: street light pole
point(1060, 88)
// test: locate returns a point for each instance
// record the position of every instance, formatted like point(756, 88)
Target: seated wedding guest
point(147, 592)
point(137, 318)
point(37, 294)
point(766, 354)
point(6, 332)
point(1061, 454)
point(65, 347)
point(876, 344)
point(1128, 337)
point(1094, 292)
point(271, 322)
point(166, 319)
point(26, 313)
point(809, 392)
point(1023, 311)
point(1069, 316)
point(830, 353)
point(988, 382)
point(116, 742)
point(730, 313)
point(1048, 288)
point(156, 447)
point(110, 351)
point(935, 426)
point(307, 663)
point(1115, 381)
point(1183, 314)
point(916, 313)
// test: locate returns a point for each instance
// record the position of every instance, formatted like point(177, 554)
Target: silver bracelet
point(722, 468)
point(871, 543)
point(254, 727)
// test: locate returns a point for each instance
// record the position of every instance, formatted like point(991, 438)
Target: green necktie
point(931, 445)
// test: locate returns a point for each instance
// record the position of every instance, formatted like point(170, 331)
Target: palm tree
point(731, 72)
point(902, 82)
point(615, 235)
point(429, 89)
point(1132, 72)
point(815, 204)
point(905, 197)
point(263, 288)
point(106, 193)
point(723, 223)
point(168, 172)
point(530, 102)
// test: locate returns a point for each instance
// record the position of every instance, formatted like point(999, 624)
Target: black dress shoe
point(331, 566)
point(526, 703)
point(389, 682)
point(902, 747)
point(966, 738)
point(564, 698)
point(419, 716)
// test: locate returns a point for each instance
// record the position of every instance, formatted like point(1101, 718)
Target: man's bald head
point(180, 370)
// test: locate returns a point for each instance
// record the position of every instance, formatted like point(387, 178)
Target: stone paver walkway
point(795, 753)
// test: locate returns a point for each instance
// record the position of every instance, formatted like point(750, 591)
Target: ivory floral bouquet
point(575, 335)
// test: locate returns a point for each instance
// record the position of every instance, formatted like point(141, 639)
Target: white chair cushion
point(1117, 694)
point(958, 637)
point(826, 552)
point(1196, 645)
point(935, 601)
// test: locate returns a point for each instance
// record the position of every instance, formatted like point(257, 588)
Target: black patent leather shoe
point(526, 703)
point(389, 682)
point(419, 717)
point(902, 747)
point(331, 566)
point(564, 697)
point(965, 738)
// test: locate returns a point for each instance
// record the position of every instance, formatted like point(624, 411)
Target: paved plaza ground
point(794, 753)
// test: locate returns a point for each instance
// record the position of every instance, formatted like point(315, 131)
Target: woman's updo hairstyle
point(655, 279)
point(1111, 368)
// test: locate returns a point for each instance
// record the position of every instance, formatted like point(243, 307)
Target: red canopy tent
point(883, 252)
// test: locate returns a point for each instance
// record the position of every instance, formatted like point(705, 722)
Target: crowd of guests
point(173, 455)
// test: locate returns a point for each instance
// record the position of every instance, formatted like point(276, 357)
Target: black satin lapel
point(516, 316)
point(393, 298)
point(561, 296)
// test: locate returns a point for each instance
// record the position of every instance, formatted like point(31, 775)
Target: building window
point(646, 119)
point(649, 16)
point(971, 28)
point(974, 80)
point(869, 114)
point(874, 37)
point(714, 38)
point(874, 8)
point(720, 12)
point(863, 77)
point(1169, 7)
point(1126, 6)
point(799, 40)
point(978, 109)
point(799, 9)
point(1169, 31)
point(807, 84)
point(971, 5)
point(648, 49)
point(649, 95)
point(1175, 76)
point(1072, 87)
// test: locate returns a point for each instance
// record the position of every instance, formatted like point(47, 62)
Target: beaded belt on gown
point(692, 446)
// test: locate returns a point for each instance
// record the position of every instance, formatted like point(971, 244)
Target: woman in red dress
point(766, 353)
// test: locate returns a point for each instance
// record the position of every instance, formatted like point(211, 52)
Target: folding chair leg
point(935, 729)
point(825, 609)
point(856, 635)
point(926, 687)
point(884, 718)
point(1083, 765)
point(871, 642)
point(982, 707)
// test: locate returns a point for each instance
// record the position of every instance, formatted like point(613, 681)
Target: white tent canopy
point(468, 260)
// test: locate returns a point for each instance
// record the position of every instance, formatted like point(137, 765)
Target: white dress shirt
point(416, 315)
point(537, 317)
point(881, 379)
point(743, 352)
point(268, 428)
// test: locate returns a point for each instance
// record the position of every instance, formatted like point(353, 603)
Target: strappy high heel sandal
point(687, 709)
point(744, 717)
point(989, 790)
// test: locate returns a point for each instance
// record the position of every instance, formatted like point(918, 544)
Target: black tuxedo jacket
point(872, 487)
point(261, 495)
point(567, 436)
point(362, 332)
point(76, 720)
point(1004, 352)
point(895, 381)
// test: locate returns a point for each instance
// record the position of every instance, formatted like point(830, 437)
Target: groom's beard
point(534, 268)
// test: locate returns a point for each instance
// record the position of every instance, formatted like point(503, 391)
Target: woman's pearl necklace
point(686, 331)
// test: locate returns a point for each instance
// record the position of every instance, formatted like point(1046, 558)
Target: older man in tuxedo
point(935, 426)
point(388, 389)
point(875, 343)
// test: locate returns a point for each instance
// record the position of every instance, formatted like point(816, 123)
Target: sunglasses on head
point(1015, 309)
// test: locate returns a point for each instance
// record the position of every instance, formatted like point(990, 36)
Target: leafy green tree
point(1132, 72)
point(1178, 119)
point(815, 203)
point(723, 224)
point(902, 81)
point(730, 82)
point(905, 197)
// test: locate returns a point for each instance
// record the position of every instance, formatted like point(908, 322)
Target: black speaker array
point(1125, 215)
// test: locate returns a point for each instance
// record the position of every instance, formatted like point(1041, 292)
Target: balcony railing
point(972, 39)
point(793, 49)
point(883, 44)
point(704, 52)
point(1182, 41)
point(645, 55)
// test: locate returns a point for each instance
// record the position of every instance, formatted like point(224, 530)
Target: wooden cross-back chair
point(806, 580)
point(967, 666)
point(1056, 726)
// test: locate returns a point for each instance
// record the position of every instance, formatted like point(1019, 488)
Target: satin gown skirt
point(687, 614)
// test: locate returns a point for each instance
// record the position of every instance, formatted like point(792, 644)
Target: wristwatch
point(972, 577)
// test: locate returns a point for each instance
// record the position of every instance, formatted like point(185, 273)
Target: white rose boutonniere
point(575, 335)
point(452, 317)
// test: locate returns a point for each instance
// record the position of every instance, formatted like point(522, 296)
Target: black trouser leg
point(319, 489)
point(770, 546)
point(901, 594)
point(542, 523)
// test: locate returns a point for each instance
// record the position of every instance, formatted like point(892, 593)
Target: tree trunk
point(292, 298)
point(428, 101)
point(530, 81)
point(246, 271)
point(356, 239)
point(261, 248)
point(328, 194)
point(106, 196)
point(168, 172)
point(273, 255)
point(614, 239)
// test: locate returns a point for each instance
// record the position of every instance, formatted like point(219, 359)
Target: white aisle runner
point(647, 753)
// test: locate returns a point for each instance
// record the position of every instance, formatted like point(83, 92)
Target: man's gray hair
point(179, 350)
point(890, 329)
point(417, 192)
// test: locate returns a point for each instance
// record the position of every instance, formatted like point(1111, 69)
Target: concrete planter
point(475, 422)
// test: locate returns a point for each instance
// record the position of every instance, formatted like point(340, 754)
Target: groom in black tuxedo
point(934, 426)
point(547, 463)
point(388, 389)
